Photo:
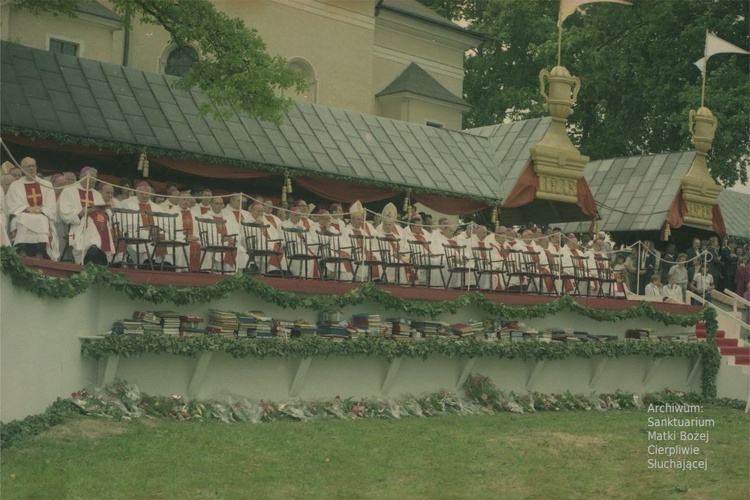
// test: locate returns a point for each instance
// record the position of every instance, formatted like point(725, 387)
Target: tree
point(234, 70)
point(639, 82)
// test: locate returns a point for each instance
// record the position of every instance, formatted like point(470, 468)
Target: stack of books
point(170, 322)
point(222, 323)
point(190, 326)
point(637, 334)
point(127, 327)
point(368, 323)
point(149, 321)
point(400, 328)
point(302, 328)
point(432, 328)
point(282, 328)
point(334, 331)
point(254, 324)
point(469, 329)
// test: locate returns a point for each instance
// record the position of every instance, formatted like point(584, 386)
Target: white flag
point(701, 63)
point(567, 7)
point(715, 45)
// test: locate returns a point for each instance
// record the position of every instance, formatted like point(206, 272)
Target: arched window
point(304, 67)
point(180, 59)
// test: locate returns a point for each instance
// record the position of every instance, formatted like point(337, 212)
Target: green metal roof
point(735, 208)
point(55, 93)
point(509, 145)
point(417, 81)
point(635, 193)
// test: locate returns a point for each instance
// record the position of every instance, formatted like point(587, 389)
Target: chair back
point(361, 249)
point(213, 233)
point(455, 257)
point(389, 250)
point(580, 267)
point(127, 225)
point(329, 245)
point(604, 268)
point(530, 262)
point(514, 262)
point(164, 227)
point(420, 254)
point(296, 243)
point(484, 260)
point(253, 235)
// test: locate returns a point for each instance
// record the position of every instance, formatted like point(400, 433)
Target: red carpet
point(727, 347)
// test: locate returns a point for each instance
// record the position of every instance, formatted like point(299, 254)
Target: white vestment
point(84, 232)
point(33, 228)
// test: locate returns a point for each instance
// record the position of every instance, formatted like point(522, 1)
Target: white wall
point(40, 358)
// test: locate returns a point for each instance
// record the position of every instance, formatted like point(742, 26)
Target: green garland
point(126, 148)
point(315, 346)
point(43, 286)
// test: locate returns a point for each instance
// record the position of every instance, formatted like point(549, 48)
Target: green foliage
point(234, 70)
point(636, 67)
point(42, 286)
point(124, 401)
point(16, 431)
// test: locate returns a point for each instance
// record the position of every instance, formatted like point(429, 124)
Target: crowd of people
point(86, 219)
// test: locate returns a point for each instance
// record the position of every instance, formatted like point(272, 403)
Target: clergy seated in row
point(83, 210)
point(227, 231)
point(140, 226)
point(32, 210)
point(359, 235)
point(334, 252)
point(263, 243)
point(300, 245)
point(396, 248)
point(187, 228)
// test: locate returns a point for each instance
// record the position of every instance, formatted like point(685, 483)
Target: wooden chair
point(531, 268)
point(166, 238)
point(423, 260)
point(488, 263)
point(457, 263)
point(215, 240)
point(259, 248)
point(130, 231)
point(514, 270)
point(363, 254)
point(582, 275)
point(391, 257)
point(297, 248)
point(331, 252)
point(606, 277)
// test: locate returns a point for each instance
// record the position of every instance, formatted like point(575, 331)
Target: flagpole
point(705, 71)
point(559, 43)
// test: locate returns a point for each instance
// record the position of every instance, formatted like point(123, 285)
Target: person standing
point(32, 203)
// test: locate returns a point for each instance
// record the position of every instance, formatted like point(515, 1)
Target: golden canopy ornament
point(557, 162)
point(699, 190)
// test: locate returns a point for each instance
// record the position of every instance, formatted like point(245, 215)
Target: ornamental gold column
point(699, 190)
point(557, 162)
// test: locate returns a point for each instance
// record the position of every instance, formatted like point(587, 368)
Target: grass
point(539, 455)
